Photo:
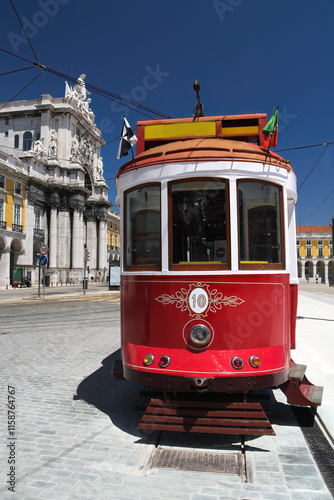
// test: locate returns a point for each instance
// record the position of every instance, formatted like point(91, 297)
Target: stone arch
point(321, 271)
point(331, 273)
point(2, 244)
point(36, 253)
point(88, 180)
point(15, 249)
point(4, 261)
point(309, 268)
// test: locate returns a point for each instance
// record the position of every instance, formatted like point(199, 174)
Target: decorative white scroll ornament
point(199, 300)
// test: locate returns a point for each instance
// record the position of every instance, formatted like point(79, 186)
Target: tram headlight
point(237, 363)
point(199, 335)
point(148, 360)
point(255, 362)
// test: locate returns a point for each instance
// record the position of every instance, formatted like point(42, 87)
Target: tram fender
point(299, 390)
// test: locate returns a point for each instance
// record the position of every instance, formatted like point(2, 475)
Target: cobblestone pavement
point(76, 427)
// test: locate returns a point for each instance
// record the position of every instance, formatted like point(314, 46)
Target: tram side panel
point(245, 316)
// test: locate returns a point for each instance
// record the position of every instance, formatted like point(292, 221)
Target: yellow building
point(13, 216)
point(315, 253)
point(113, 227)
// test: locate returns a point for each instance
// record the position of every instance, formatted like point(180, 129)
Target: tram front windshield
point(199, 222)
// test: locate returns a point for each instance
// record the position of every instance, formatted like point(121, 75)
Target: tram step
point(313, 393)
point(302, 393)
point(206, 417)
point(297, 372)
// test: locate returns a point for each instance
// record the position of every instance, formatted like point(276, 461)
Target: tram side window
point(142, 230)
point(260, 225)
point(199, 223)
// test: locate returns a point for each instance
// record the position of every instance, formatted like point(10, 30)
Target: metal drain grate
point(220, 463)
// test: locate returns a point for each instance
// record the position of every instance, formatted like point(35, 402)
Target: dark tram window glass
point(260, 225)
point(199, 224)
point(142, 230)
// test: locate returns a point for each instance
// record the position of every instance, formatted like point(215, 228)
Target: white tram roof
point(205, 149)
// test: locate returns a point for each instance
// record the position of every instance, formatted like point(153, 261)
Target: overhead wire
point(323, 201)
point(115, 97)
point(16, 70)
point(24, 31)
point(129, 103)
point(316, 163)
point(304, 147)
point(22, 90)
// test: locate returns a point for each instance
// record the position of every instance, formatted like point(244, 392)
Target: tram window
point(260, 225)
point(142, 230)
point(199, 224)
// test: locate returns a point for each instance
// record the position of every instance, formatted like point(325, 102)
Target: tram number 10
point(198, 300)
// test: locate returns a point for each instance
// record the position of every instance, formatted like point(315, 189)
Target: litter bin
point(85, 284)
point(47, 280)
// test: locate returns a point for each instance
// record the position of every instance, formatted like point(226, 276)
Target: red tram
point(209, 272)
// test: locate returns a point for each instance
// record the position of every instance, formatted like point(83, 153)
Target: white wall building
point(52, 189)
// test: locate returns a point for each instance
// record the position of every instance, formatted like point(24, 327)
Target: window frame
point(17, 214)
point(2, 181)
point(37, 218)
point(2, 210)
point(263, 266)
point(202, 266)
point(137, 267)
point(27, 141)
point(17, 188)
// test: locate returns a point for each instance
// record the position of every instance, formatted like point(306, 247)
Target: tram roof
point(204, 149)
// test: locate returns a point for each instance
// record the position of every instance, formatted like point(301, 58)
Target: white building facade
point(52, 189)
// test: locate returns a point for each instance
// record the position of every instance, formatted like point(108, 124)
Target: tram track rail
point(319, 443)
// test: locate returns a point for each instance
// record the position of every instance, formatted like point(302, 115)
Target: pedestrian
point(307, 278)
point(316, 278)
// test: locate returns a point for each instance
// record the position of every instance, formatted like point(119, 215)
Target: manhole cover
point(221, 463)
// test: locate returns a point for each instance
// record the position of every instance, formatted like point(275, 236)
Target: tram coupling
point(199, 384)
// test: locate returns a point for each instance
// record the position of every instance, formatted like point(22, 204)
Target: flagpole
point(133, 158)
point(270, 134)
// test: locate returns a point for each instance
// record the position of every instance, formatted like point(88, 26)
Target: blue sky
point(249, 57)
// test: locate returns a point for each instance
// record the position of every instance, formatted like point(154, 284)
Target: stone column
point(63, 250)
point(77, 239)
point(5, 267)
point(103, 245)
point(303, 269)
point(53, 237)
point(326, 272)
point(314, 269)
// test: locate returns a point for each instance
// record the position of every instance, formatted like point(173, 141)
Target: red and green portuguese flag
point(270, 131)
